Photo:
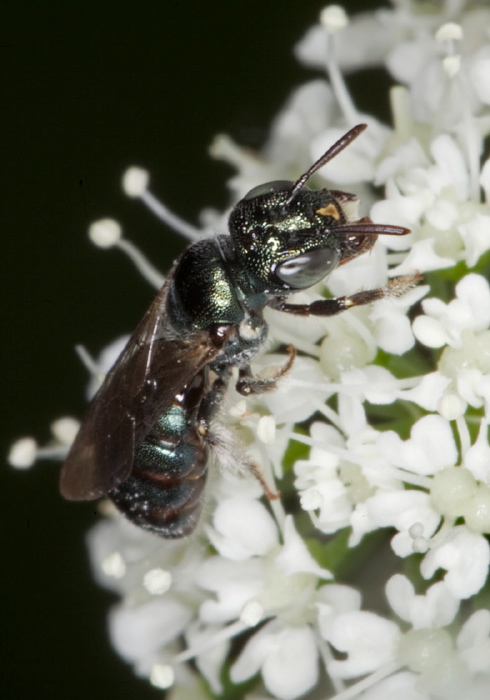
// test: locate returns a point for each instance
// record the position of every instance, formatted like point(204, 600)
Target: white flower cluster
point(390, 442)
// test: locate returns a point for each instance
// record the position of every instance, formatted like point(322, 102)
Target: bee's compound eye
point(305, 270)
point(269, 188)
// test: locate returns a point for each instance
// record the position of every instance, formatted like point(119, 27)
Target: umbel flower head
point(378, 433)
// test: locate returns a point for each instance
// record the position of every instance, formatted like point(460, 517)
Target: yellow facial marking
point(329, 210)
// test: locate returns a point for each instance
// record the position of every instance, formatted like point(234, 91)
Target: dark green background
point(88, 88)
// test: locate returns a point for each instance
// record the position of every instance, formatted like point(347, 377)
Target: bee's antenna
point(331, 153)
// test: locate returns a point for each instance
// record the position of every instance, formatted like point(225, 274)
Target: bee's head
point(289, 237)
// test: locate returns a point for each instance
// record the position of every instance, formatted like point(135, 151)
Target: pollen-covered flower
point(349, 580)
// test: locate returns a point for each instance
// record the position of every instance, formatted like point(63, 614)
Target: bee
point(146, 439)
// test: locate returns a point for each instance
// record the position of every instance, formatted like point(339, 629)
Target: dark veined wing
point(153, 367)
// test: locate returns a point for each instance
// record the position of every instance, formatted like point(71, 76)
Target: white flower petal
point(450, 160)
point(368, 640)
point(442, 215)
point(352, 414)
point(243, 528)
point(477, 457)
point(431, 446)
point(294, 556)
point(376, 384)
point(409, 58)
point(403, 509)
point(288, 658)
point(473, 642)
point(308, 112)
point(292, 669)
point(466, 558)
point(473, 293)
point(253, 655)
point(234, 582)
point(430, 332)
point(400, 594)
point(475, 237)
point(334, 507)
point(479, 74)
point(138, 634)
point(332, 600)
point(400, 160)
point(437, 608)
point(402, 211)
point(209, 662)
point(429, 391)
point(361, 523)
point(363, 43)
point(422, 257)
point(393, 330)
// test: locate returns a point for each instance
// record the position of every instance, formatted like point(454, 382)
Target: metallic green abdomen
point(164, 492)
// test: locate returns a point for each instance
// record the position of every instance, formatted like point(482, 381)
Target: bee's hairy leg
point(396, 287)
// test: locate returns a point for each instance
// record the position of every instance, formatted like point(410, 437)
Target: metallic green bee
point(146, 439)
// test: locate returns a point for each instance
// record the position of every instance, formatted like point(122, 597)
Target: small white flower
point(469, 311)
point(468, 367)
point(430, 448)
point(465, 557)
point(437, 608)
point(283, 582)
point(402, 509)
point(392, 328)
point(334, 600)
point(429, 392)
point(368, 640)
point(286, 657)
point(139, 633)
point(233, 587)
point(323, 493)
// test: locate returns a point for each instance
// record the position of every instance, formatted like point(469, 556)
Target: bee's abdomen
point(164, 493)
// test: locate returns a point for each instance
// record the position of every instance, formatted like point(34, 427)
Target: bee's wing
point(153, 367)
